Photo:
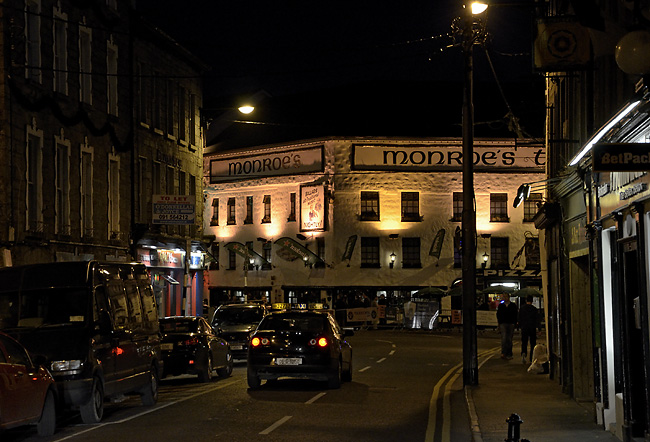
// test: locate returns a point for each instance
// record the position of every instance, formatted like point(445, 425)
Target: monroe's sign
point(267, 165)
point(418, 158)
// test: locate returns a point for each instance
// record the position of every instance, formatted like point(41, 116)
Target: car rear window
point(178, 326)
point(238, 315)
point(298, 323)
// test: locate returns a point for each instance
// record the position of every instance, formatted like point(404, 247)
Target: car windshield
point(171, 326)
point(44, 308)
point(239, 315)
point(314, 324)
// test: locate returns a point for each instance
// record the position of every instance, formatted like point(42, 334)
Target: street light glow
point(246, 109)
point(478, 7)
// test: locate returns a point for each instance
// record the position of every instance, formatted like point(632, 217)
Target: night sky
point(394, 49)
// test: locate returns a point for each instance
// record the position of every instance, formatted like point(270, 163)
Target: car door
point(216, 345)
point(20, 398)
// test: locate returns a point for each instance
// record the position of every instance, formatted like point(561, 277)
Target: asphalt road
point(401, 390)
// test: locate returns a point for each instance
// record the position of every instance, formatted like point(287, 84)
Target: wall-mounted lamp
point(305, 259)
point(393, 256)
point(485, 260)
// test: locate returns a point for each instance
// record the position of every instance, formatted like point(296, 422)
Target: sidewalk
point(505, 387)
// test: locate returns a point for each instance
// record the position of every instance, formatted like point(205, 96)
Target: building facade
point(332, 218)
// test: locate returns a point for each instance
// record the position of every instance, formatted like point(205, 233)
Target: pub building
point(341, 221)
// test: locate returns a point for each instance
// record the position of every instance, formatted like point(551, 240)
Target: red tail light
point(321, 342)
point(192, 341)
point(256, 342)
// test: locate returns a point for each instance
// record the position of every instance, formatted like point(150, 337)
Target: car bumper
point(315, 367)
point(180, 364)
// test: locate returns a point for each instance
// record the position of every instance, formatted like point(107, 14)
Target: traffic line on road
point(379, 361)
point(315, 398)
point(364, 369)
point(392, 352)
point(276, 425)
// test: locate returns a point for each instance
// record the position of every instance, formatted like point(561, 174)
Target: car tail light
point(192, 341)
point(256, 342)
point(320, 342)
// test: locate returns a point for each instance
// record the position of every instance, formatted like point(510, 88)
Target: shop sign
point(267, 165)
point(169, 258)
point(312, 208)
point(173, 209)
point(487, 318)
point(616, 189)
point(620, 157)
point(361, 314)
point(197, 260)
point(448, 158)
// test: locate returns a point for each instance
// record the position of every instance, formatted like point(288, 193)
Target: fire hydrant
point(514, 421)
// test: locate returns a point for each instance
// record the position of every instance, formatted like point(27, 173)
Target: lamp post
point(470, 357)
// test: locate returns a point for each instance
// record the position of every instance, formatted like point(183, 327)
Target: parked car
point(235, 322)
point(190, 346)
point(93, 324)
point(299, 344)
point(27, 392)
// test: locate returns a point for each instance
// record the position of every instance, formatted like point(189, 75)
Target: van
point(93, 324)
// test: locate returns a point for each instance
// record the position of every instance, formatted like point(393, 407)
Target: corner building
point(321, 219)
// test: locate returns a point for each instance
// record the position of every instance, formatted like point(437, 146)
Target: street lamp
point(470, 36)
point(393, 256)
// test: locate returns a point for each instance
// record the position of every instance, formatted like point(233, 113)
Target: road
point(401, 388)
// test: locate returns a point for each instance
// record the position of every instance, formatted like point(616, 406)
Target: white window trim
point(60, 72)
point(83, 74)
point(86, 149)
point(62, 220)
point(32, 131)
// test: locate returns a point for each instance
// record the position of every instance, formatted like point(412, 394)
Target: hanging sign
point(312, 207)
point(349, 248)
point(436, 245)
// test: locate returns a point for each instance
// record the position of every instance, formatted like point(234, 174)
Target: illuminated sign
point(621, 157)
point(312, 207)
point(267, 165)
point(420, 158)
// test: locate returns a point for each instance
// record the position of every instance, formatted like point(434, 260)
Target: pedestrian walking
point(528, 322)
point(507, 313)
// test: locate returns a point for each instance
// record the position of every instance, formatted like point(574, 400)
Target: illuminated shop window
point(499, 248)
point(457, 207)
point(214, 221)
point(267, 209)
point(531, 206)
point(231, 211)
point(369, 206)
point(411, 206)
point(499, 207)
point(249, 210)
point(411, 253)
point(370, 252)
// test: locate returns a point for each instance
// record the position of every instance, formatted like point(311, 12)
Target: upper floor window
point(113, 196)
point(231, 211)
point(182, 113)
point(158, 98)
point(533, 258)
point(267, 209)
point(249, 210)
point(156, 178)
point(111, 81)
point(320, 248)
point(457, 207)
point(86, 190)
point(458, 248)
point(411, 253)
point(369, 252)
point(170, 181)
point(85, 64)
point(369, 206)
point(171, 122)
point(499, 253)
point(34, 179)
point(411, 206)
point(214, 254)
point(62, 197)
point(33, 40)
point(142, 194)
point(232, 260)
point(192, 120)
point(60, 51)
point(531, 205)
point(214, 221)
point(292, 207)
point(499, 207)
point(266, 250)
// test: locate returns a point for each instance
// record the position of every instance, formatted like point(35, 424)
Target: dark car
point(27, 392)
point(190, 346)
point(235, 322)
point(299, 344)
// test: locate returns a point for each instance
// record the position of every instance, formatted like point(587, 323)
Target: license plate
point(288, 361)
point(167, 346)
point(236, 347)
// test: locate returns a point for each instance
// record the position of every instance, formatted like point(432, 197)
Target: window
point(247, 262)
point(214, 221)
point(411, 253)
point(214, 254)
point(232, 260)
point(170, 183)
point(499, 253)
point(320, 248)
point(411, 206)
point(155, 178)
point(172, 124)
point(457, 207)
point(458, 248)
point(191, 186)
point(34, 216)
point(85, 65)
point(292, 207)
point(156, 92)
point(33, 40)
point(182, 119)
point(192, 119)
point(62, 184)
point(111, 81)
point(249, 210)
point(266, 250)
point(369, 206)
point(370, 252)
point(231, 211)
point(182, 183)
point(86, 190)
point(113, 196)
point(267, 209)
point(531, 205)
point(60, 51)
point(141, 194)
point(499, 207)
point(533, 259)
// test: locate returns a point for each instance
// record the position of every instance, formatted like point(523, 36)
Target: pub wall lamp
point(393, 257)
point(485, 260)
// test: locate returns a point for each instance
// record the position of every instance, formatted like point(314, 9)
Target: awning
point(290, 250)
point(247, 253)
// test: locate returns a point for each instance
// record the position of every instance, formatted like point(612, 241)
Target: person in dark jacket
point(528, 322)
point(507, 319)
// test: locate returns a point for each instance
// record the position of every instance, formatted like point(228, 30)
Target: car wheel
point(205, 375)
point(47, 424)
point(93, 410)
point(346, 376)
point(334, 380)
point(254, 380)
point(226, 371)
point(149, 393)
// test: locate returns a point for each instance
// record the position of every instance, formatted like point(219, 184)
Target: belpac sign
point(620, 157)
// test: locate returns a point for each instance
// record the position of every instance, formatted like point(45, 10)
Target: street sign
point(173, 209)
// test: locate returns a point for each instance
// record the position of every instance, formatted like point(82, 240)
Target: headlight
point(63, 368)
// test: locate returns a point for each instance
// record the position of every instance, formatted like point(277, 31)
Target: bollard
point(514, 421)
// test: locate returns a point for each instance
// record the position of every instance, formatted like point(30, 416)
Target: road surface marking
point(275, 425)
point(392, 352)
point(315, 398)
point(364, 369)
point(379, 361)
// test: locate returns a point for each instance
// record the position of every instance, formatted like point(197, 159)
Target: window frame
point(457, 206)
point(531, 206)
point(369, 201)
point(411, 253)
point(370, 249)
point(410, 201)
point(499, 208)
point(499, 252)
point(232, 212)
point(214, 220)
